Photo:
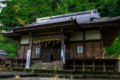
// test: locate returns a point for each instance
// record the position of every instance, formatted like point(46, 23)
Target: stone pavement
point(5, 74)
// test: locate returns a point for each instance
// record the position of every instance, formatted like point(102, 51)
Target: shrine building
point(72, 41)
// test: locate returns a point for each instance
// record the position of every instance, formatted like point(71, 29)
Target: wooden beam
point(48, 37)
point(43, 26)
point(75, 25)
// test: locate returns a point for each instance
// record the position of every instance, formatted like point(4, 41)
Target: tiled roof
point(3, 54)
point(3, 31)
point(81, 17)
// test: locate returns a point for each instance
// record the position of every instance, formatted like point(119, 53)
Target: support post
point(118, 65)
point(4, 64)
point(30, 47)
point(74, 65)
point(102, 54)
point(10, 63)
point(104, 68)
point(22, 64)
point(83, 65)
point(84, 45)
point(16, 63)
point(93, 65)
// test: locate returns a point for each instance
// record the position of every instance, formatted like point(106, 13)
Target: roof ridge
point(66, 15)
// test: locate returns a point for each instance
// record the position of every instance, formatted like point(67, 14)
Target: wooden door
point(89, 49)
point(73, 50)
point(53, 50)
point(33, 51)
point(21, 52)
point(25, 52)
point(34, 54)
point(97, 50)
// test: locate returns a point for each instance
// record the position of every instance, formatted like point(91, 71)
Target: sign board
point(62, 53)
point(28, 59)
point(37, 50)
point(79, 49)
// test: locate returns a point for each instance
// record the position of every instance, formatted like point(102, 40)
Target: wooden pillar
point(4, 64)
point(22, 64)
point(84, 45)
point(102, 54)
point(41, 51)
point(30, 47)
point(10, 63)
point(104, 67)
point(118, 65)
point(83, 65)
point(62, 52)
point(15, 63)
point(93, 65)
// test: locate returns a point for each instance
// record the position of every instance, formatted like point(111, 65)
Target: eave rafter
point(54, 26)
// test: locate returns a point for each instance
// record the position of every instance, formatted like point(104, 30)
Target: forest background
point(19, 13)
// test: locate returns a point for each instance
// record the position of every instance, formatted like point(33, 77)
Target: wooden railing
point(15, 63)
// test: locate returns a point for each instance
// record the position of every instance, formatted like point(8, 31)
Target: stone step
point(45, 67)
point(73, 74)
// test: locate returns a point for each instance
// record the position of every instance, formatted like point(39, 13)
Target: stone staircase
point(68, 74)
point(47, 67)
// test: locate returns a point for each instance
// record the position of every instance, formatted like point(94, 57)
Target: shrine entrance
point(50, 47)
point(51, 50)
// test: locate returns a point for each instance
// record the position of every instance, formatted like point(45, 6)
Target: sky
point(2, 5)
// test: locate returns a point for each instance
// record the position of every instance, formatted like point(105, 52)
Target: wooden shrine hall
point(72, 41)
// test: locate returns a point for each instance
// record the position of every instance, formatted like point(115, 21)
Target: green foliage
point(10, 46)
point(114, 49)
point(23, 12)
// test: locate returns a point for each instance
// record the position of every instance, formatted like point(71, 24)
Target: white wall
point(25, 39)
point(92, 34)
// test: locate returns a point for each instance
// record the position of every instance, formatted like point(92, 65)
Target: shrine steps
point(48, 67)
point(71, 74)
